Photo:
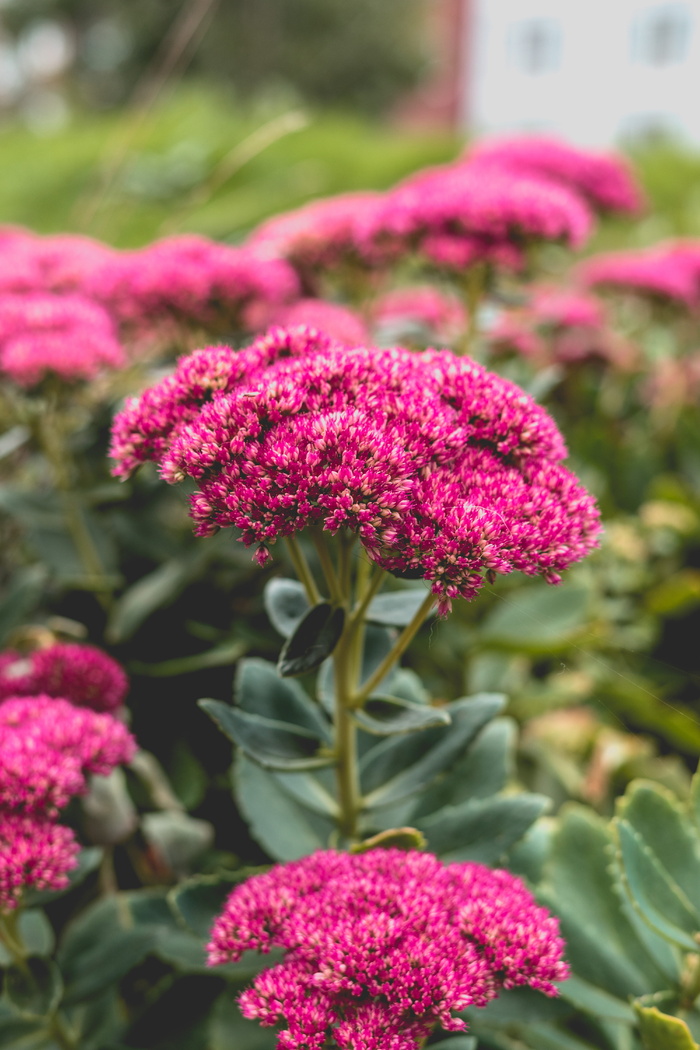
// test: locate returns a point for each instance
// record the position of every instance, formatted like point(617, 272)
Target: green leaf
point(272, 744)
point(396, 608)
point(286, 604)
point(21, 597)
point(18, 1033)
point(218, 656)
point(661, 1031)
point(89, 860)
point(539, 618)
point(99, 1022)
point(199, 900)
point(308, 789)
point(596, 1001)
point(386, 715)
point(652, 892)
point(404, 766)
point(481, 829)
point(660, 820)
point(259, 690)
point(98, 949)
point(481, 772)
point(154, 591)
point(36, 934)
point(285, 829)
point(35, 991)
point(312, 641)
point(230, 1030)
point(603, 946)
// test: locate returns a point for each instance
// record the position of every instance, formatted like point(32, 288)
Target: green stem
point(302, 569)
point(690, 983)
point(474, 286)
point(402, 642)
point(331, 576)
point(60, 1033)
point(51, 436)
point(347, 775)
point(376, 580)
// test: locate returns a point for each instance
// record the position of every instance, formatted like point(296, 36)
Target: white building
point(593, 71)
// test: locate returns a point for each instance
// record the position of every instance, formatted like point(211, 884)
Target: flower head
point(603, 179)
point(337, 321)
point(382, 946)
point(48, 747)
point(321, 235)
point(35, 854)
point(457, 215)
point(441, 468)
point(665, 272)
point(64, 335)
point(191, 279)
point(80, 673)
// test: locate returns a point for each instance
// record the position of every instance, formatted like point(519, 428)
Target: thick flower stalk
point(49, 746)
point(35, 853)
point(441, 469)
point(82, 674)
point(382, 947)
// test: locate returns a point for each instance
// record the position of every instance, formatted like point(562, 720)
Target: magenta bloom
point(321, 235)
point(667, 272)
point(339, 322)
point(80, 673)
point(48, 746)
point(604, 180)
point(35, 854)
point(59, 263)
point(193, 280)
point(382, 946)
point(457, 215)
point(443, 470)
point(64, 335)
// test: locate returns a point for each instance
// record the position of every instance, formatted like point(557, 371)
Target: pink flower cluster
point(192, 280)
point(444, 470)
point(604, 180)
point(66, 301)
point(488, 207)
point(49, 746)
point(82, 674)
point(382, 946)
point(560, 325)
point(34, 852)
point(45, 334)
point(668, 272)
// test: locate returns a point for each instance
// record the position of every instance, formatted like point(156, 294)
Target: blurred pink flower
point(82, 674)
point(668, 271)
point(64, 335)
point(604, 180)
point(339, 322)
point(442, 315)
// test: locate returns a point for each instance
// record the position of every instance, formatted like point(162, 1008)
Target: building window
point(535, 46)
point(661, 35)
